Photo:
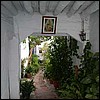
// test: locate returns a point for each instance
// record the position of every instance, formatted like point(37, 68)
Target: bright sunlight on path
point(44, 90)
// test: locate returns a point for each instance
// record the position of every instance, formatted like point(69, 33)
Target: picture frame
point(49, 24)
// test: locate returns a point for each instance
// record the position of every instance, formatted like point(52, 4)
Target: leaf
point(94, 97)
point(86, 80)
point(97, 79)
point(87, 90)
point(78, 92)
point(88, 96)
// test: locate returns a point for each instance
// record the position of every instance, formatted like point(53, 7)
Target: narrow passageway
point(44, 90)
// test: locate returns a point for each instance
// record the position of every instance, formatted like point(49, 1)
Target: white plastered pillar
point(14, 69)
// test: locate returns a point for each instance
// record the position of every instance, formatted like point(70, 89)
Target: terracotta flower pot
point(56, 84)
point(51, 81)
point(29, 75)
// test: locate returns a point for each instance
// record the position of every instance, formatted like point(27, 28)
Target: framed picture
point(49, 24)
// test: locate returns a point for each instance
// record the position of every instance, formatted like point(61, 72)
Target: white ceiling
point(84, 8)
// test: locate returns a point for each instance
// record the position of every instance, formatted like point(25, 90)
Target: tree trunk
point(30, 56)
point(76, 71)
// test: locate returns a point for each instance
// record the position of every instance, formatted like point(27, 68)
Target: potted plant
point(56, 84)
point(26, 87)
point(29, 71)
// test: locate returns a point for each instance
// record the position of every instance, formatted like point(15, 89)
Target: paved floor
point(44, 90)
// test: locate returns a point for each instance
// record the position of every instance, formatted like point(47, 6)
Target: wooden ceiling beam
point(43, 5)
point(5, 11)
point(60, 7)
point(18, 5)
point(9, 6)
point(35, 5)
point(75, 7)
point(52, 5)
point(68, 7)
point(84, 6)
point(89, 10)
point(28, 7)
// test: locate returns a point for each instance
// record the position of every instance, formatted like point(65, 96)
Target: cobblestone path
point(44, 90)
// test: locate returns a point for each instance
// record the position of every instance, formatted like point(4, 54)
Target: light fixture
point(83, 34)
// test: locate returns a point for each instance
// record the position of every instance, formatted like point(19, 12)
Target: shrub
point(26, 87)
point(29, 69)
point(86, 86)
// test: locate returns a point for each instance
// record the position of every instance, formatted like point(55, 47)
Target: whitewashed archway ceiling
point(84, 8)
point(69, 8)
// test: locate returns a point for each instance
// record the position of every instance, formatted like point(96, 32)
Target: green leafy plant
point(26, 87)
point(89, 74)
point(29, 69)
point(60, 67)
point(60, 55)
point(22, 67)
point(35, 63)
point(87, 84)
point(33, 41)
point(34, 59)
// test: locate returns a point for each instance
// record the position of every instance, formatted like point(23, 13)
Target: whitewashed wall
point(9, 61)
point(26, 25)
point(4, 60)
point(25, 50)
point(14, 68)
point(38, 47)
point(29, 24)
point(94, 31)
point(79, 51)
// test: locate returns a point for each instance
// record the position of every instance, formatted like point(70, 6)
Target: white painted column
point(14, 67)
point(76, 61)
point(6, 35)
point(5, 66)
point(94, 31)
point(25, 51)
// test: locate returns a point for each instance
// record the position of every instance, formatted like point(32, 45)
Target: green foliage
point(34, 63)
point(26, 87)
point(91, 75)
point(24, 41)
point(36, 40)
point(33, 41)
point(34, 59)
point(73, 47)
point(22, 67)
point(29, 69)
point(33, 67)
point(60, 58)
point(60, 68)
point(70, 90)
point(87, 84)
